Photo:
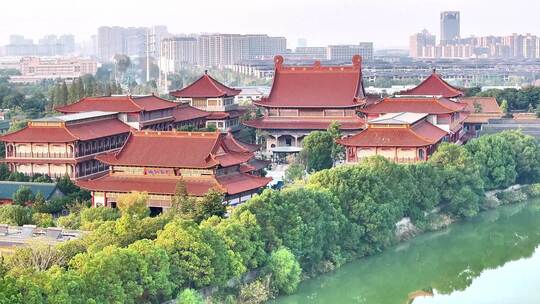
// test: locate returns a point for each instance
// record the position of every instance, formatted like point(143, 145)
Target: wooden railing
point(41, 155)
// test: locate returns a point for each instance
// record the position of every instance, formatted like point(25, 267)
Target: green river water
point(492, 258)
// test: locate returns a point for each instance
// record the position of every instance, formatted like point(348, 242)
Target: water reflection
point(442, 263)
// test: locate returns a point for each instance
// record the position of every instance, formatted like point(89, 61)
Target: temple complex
point(399, 137)
point(66, 144)
point(217, 99)
point(309, 98)
point(442, 112)
point(155, 162)
point(481, 110)
point(140, 112)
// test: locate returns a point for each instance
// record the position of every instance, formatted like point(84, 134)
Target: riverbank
point(441, 266)
point(437, 220)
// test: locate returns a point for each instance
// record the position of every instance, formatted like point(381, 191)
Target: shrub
point(285, 271)
point(15, 215)
point(532, 191)
point(43, 220)
point(512, 197)
point(255, 292)
point(189, 296)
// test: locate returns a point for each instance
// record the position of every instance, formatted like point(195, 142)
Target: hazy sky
point(388, 23)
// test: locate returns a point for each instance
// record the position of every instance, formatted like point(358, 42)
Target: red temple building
point(442, 112)
point(217, 99)
point(66, 144)
point(434, 85)
point(407, 128)
point(201, 160)
point(399, 137)
point(140, 112)
point(481, 110)
point(309, 98)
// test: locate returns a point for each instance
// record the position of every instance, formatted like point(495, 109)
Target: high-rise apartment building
point(450, 26)
point(264, 46)
point(49, 45)
point(110, 41)
point(221, 49)
point(346, 52)
point(177, 52)
point(419, 41)
point(311, 52)
point(131, 41)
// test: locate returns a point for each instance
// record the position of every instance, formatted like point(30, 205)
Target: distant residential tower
point(450, 26)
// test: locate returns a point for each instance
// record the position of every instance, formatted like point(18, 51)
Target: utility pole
point(148, 55)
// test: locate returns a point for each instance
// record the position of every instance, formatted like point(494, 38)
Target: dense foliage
point(523, 99)
point(309, 227)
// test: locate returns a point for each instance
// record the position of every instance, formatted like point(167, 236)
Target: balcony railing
point(400, 160)
point(41, 155)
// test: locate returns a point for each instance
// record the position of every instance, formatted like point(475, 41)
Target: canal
point(492, 258)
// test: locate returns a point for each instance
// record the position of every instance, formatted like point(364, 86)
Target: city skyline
point(294, 20)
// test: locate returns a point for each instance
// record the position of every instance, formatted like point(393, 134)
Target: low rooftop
point(401, 118)
point(75, 116)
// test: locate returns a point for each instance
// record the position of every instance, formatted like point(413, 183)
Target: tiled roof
point(434, 85)
point(123, 104)
point(178, 150)
point(253, 165)
point(418, 135)
point(205, 87)
point(186, 113)
point(315, 86)
point(224, 115)
point(98, 129)
point(7, 189)
point(35, 134)
point(230, 184)
point(430, 105)
point(240, 182)
point(67, 133)
point(487, 108)
point(303, 124)
point(157, 185)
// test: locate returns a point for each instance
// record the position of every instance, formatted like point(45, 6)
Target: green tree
point(294, 172)
point(338, 151)
point(504, 106)
point(526, 151)
point(495, 158)
point(157, 284)
point(112, 275)
point(39, 204)
point(73, 91)
point(194, 261)
point(317, 151)
point(61, 94)
point(306, 220)
point(373, 196)
point(91, 218)
point(23, 196)
point(189, 296)
point(43, 220)
point(37, 256)
point(243, 236)
point(210, 205)
point(462, 189)
point(285, 270)
point(134, 204)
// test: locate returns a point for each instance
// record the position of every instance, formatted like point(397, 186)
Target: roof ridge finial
point(278, 61)
point(357, 61)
